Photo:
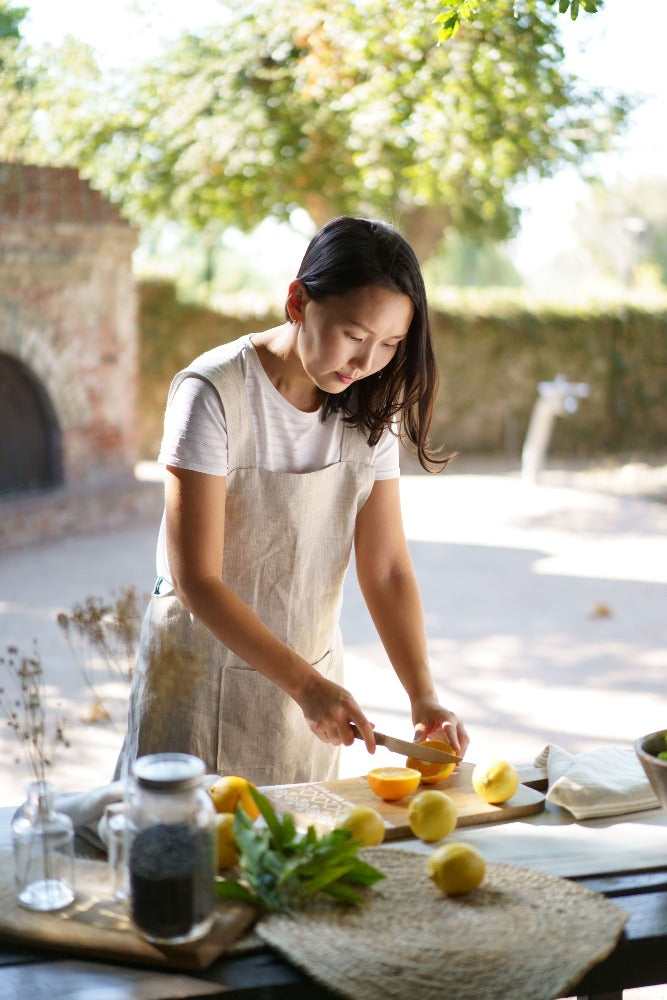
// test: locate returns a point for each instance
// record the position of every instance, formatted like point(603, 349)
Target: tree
point(41, 94)
point(350, 107)
point(15, 79)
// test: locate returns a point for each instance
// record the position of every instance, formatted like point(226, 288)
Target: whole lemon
point(456, 868)
point(432, 815)
point(228, 791)
point(495, 781)
point(366, 825)
point(227, 851)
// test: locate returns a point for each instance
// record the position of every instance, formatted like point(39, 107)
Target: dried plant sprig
point(106, 629)
point(40, 736)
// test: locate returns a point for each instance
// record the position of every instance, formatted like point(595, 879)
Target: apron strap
point(222, 367)
point(355, 447)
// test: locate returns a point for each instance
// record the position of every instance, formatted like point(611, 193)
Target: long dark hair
point(351, 253)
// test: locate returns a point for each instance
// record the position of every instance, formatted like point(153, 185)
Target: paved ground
point(546, 608)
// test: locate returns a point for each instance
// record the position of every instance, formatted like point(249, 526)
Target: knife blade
point(431, 754)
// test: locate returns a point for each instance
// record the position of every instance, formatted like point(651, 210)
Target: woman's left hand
point(433, 721)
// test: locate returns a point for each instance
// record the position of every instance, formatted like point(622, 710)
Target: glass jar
point(171, 849)
point(43, 845)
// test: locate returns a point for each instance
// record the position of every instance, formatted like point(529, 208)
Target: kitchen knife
point(410, 749)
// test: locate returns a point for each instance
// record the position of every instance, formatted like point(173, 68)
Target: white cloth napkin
point(86, 810)
point(608, 781)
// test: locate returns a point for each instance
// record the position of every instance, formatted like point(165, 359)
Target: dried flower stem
point(109, 629)
point(26, 712)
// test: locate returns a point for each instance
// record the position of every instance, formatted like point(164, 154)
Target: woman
point(281, 453)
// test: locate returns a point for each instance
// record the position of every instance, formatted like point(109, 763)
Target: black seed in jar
point(171, 879)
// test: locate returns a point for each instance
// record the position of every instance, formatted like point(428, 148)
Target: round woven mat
point(522, 935)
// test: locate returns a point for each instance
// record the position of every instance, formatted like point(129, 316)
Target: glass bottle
point(171, 849)
point(43, 843)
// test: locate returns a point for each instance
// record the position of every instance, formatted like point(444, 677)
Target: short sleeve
point(387, 461)
point(195, 431)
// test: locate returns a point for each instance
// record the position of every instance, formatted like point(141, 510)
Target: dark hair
point(350, 253)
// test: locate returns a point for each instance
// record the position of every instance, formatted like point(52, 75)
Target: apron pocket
point(263, 734)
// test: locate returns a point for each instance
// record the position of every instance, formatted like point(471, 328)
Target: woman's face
point(347, 337)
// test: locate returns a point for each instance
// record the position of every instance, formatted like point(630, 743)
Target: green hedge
point(491, 364)
point(491, 359)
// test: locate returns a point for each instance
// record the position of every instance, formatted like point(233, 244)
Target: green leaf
point(281, 866)
point(563, 5)
point(343, 892)
point(229, 888)
point(364, 874)
point(268, 812)
point(326, 877)
point(574, 10)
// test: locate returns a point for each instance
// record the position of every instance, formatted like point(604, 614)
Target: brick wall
point(68, 312)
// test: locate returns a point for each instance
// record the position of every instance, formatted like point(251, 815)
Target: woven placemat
point(522, 935)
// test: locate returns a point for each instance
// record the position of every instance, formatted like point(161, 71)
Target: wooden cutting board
point(322, 804)
point(98, 926)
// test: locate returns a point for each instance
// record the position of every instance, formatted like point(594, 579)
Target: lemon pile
point(228, 793)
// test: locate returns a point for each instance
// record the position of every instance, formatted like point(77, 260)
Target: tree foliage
point(623, 228)
point(349, 107)
point(15, 78)
point(458, 12)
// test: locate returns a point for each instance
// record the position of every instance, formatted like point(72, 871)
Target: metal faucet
point(555, 399)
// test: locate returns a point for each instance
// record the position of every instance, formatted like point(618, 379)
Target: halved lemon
point(392, 783)
point(432, 773)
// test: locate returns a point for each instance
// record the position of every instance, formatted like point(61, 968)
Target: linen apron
point(288, 541)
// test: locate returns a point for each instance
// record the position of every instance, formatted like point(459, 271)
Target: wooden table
point(640, 958)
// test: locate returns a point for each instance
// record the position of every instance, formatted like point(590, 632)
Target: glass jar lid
point(168, 772)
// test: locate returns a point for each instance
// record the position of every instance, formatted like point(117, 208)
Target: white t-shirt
point(286, 438)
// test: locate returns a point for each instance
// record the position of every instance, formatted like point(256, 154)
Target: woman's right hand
point(329, 709)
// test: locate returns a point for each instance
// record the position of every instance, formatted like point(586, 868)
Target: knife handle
point(379, 737)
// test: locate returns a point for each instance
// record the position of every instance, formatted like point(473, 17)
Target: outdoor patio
point(545, 609)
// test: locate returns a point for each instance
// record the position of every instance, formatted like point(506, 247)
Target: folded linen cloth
point(86, 810)
point(607, 781)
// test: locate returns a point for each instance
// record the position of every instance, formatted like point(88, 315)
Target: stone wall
point(68, 312)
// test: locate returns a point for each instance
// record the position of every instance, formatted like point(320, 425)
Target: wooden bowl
point(647, 749)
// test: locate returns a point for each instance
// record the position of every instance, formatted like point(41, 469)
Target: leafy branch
point(282, 868)
point(457, 11)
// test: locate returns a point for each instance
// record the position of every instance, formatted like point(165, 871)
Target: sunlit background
point(545, 605)
point(618, 48)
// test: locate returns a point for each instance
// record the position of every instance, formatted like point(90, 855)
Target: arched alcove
point(30, 439)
